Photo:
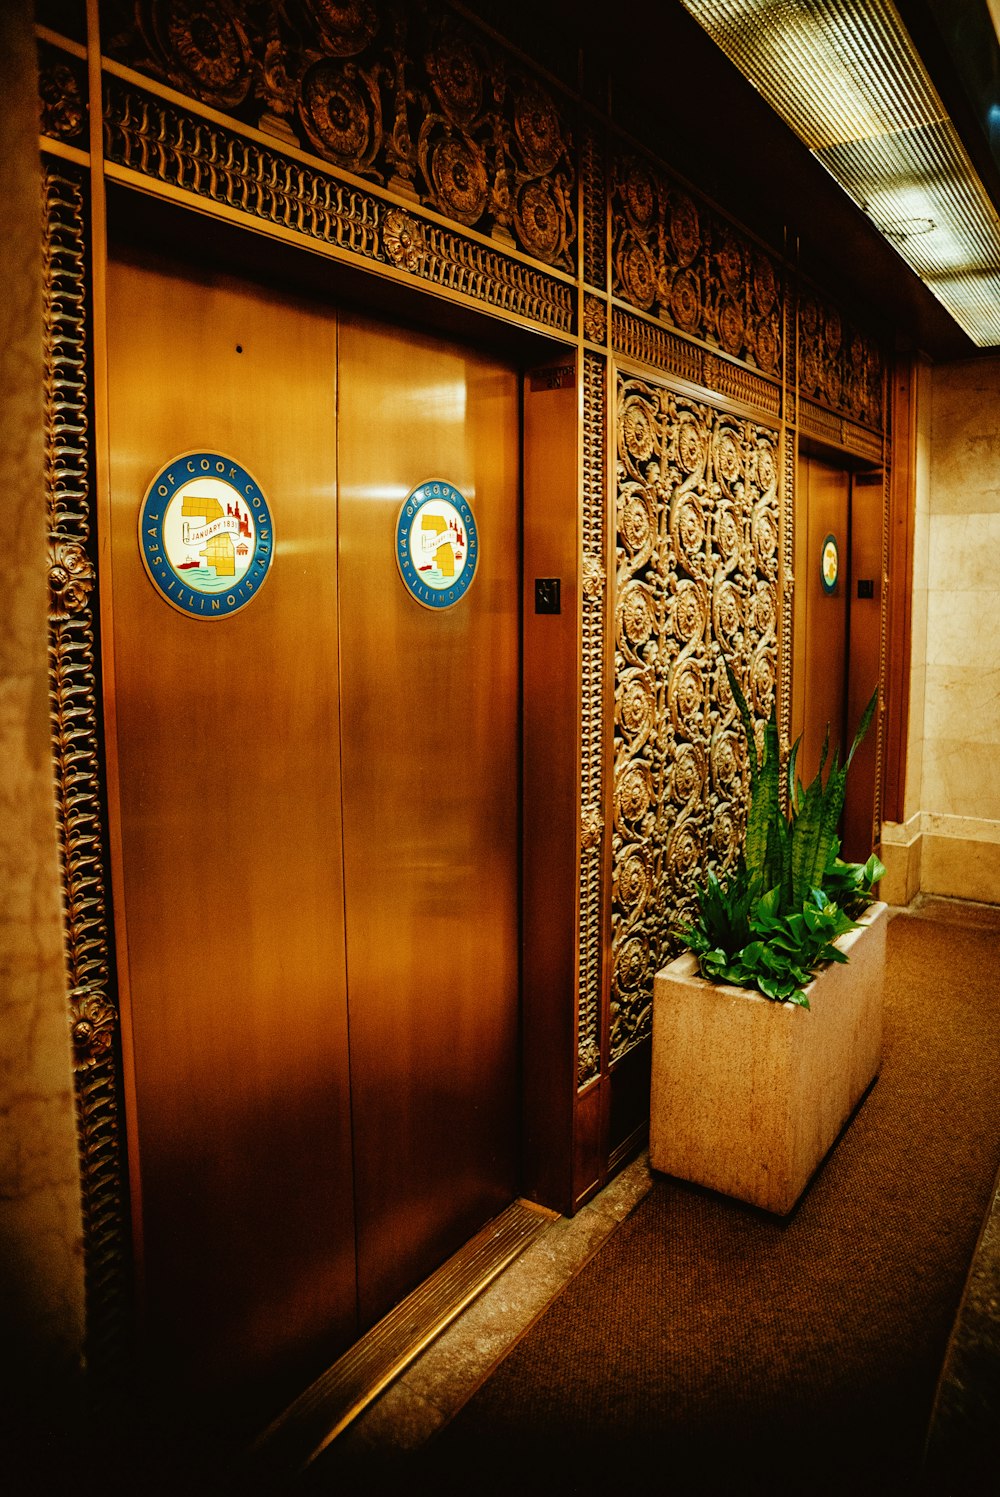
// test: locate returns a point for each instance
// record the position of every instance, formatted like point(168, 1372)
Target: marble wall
point(953, 781)
point(41, 1260)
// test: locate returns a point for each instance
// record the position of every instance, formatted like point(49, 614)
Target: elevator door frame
point(550, 528)
point(861, 635)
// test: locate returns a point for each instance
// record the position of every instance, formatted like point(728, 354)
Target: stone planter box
point(747, 1095)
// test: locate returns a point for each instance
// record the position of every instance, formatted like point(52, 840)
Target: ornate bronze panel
point(698, 576)
point(413, 98)
point(677, 259)
point(839, 366)
point(78, 773)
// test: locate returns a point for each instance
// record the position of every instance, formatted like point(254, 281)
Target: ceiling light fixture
point(845, 76)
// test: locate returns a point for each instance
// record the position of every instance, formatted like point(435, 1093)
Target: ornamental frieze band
point(409, 97)
point(181, 150)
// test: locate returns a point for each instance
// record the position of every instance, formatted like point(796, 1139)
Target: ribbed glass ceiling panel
point(846, 78)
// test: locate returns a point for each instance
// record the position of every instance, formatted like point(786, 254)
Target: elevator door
point(314, 805)
point(839, 567)
point(430, 766)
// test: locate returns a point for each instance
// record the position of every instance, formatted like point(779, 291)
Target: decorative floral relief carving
point(697, 515)
point(675, 258)
point(839, 365)
point(412, 97)
point(62, 95)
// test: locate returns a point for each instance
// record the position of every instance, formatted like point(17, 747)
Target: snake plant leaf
point(746, 719)
point(863, 727)
point(766, 825)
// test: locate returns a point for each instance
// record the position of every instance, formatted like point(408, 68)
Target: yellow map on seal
point(218, 552)
point(444, 556)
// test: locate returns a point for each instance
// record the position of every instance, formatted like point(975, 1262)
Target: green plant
point(774, 921)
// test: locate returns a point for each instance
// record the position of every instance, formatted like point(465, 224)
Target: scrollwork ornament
point(728, 464)
point(638, 196)
point(537, 128)
point(685, 228)
point(729, 258)
point(346, 28)
point(692, 448)
point(727, 533)
point(403, 240)
point(540, 219)
point(595, 319)
point(725, 839)
point(686, 778)
point(205, 46)
point(457, 79)
point(731, 325)
point(767, 349)
point(93, 1026)
point(726, 762)
point(62, 110)
point(635, 524)
point(636, 427)
point(636, 711)
point(632, 881)
point(71, 579)
point(684, 854)
point(686, 695)
point(638, 274)
point(341, 111)
point(766, 466)
point(593, 577)
point(685, 617)
point(458, 175)
point(765, 284)
point(591, 828)
point(700, 586)
point(685, 300)
point(633, 795)
point(632, 963)
point(636, 616)
point(688, 530)
point(727, 615)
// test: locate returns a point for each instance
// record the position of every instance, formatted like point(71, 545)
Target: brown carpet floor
point(711, 1348)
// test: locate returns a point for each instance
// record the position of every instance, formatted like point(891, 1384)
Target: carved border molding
point(181, 150)
point(824, 423)
point(593, 173)
point(594, 590)
point(75, 715)
point(645, 343)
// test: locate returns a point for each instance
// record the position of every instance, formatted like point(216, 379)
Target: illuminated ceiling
point(845, 76)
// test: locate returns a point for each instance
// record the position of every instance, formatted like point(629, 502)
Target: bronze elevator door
point(430, 765)
point(840, 630)
point(315, 806)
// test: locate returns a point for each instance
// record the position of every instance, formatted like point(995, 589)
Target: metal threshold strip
point(329, 1405)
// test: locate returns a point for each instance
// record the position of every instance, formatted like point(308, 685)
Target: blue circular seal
point(206, 535)
point(437, 544)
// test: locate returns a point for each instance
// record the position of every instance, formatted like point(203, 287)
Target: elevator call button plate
point(437, 544)
point(206, 535)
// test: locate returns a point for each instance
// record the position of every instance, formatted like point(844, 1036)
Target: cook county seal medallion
point(206, 535)
point(830, 564)
point(437, 545)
